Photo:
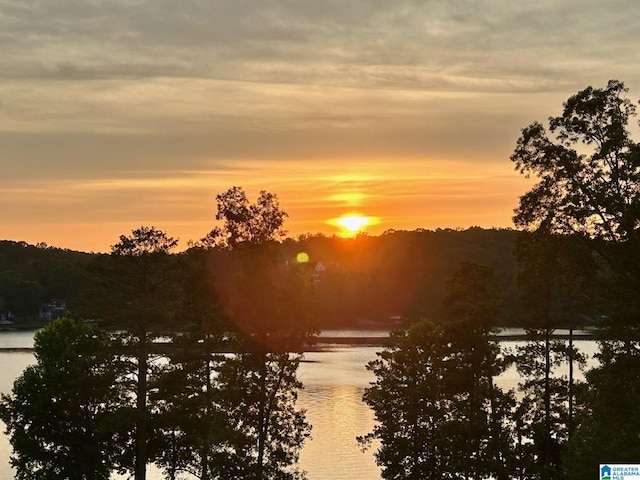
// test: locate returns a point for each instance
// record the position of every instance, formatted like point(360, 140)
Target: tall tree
point(471, 309)
point(592, 193)
point(542, 416)
point(589, 185)
point(64, 413)
point(410, 404)
point(145, 298)
point(266, 299)
point(265, 431)
point(554, 277)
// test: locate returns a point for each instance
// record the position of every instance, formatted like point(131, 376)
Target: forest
point(360, 281)
point(240, 306)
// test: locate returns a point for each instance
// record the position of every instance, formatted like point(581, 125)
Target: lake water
point(334, 381)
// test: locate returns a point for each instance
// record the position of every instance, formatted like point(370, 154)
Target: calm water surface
point(334, 383)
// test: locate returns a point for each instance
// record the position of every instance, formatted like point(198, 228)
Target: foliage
point(264, 430)
point(437, 407)
point(145, 294)
point(543, 419)
point(19, 296)
point(64, 413)
point(432, 415)
point(400, 274)
point(188, 422)
point(589, 190)
point(249, 398)
point(609, 424)
point(397, 274)
point(245, 222)
point(144, 279)
point(589, 185)
point(200, 308)
point(471, 307)
point(230, 416)
point(144, 242)
point(266, 300)
point(556, 280)
point(472, 299)
point(594, 193)
point(30, 275)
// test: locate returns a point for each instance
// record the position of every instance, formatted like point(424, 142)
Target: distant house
point(6, 319)
point(318, 271)
point(54, 309)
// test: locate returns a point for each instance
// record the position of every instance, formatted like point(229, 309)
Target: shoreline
point(326, 342)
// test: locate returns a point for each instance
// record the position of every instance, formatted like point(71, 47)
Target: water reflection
point(13, 364)
point(334, 383)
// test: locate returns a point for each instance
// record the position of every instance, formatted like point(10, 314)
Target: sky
point(121, 113)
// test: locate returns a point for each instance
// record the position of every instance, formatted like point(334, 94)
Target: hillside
point(366, 280)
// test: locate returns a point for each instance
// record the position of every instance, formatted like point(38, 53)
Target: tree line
point(435, 398)
point(397, 274)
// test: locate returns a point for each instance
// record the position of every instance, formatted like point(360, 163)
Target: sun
point(353, 223)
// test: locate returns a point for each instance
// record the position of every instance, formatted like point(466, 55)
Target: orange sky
point(141, 113)
point(401, 194)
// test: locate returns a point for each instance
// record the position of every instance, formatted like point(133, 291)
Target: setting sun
point(352, 223)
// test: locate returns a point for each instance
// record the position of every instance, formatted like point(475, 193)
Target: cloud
point(448, 43)
point(103, 103)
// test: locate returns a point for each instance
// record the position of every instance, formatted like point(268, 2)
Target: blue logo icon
point(605, 472)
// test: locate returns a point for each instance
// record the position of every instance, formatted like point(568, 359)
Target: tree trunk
point(570, 426)
point(473, 440)
point(173, 472)
point(207, 434)
point(262, 421)
point(546, 454)
point(498, 458)
point(141, 407)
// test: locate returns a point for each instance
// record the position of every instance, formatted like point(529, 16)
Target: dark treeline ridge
point(33, 275)
point(362, 281)
point(365, 281)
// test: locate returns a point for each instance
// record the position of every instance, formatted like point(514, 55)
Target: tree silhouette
point(589, 188)
point(437, 407)
point(266, 300)
point(145, 297)
point(64, 415)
